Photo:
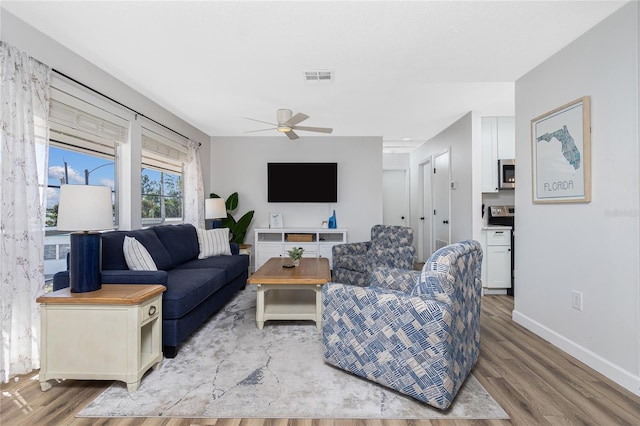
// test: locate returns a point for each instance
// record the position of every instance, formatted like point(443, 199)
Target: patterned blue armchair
point(390, 246)
point(415, 332)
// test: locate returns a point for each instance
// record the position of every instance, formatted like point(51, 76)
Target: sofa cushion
point(113, 255)
point(181, 241)
point(233, 265)
point(186, 288)
point(137, 257)
point(213, 242)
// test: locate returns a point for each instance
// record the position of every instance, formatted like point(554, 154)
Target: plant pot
point(296, 262)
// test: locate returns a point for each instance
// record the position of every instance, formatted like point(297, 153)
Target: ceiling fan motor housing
point(283, 116)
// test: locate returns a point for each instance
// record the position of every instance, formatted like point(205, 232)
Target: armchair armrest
point(395, 279)
point(350, 249)
point(392, 257)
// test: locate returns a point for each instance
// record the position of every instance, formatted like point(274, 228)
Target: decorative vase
point(332, 221)
point(296, 262)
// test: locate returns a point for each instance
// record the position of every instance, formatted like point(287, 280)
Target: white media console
point(317, 242)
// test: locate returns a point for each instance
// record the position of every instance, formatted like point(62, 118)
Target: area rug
point(230, 369)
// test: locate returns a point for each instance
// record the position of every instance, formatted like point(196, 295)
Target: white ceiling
point(404, 70)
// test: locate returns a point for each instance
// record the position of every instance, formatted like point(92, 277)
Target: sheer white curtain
point(193, 187)
point(24, 103)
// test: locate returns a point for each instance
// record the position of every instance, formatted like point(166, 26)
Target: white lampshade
point(85, 208)
point(215, 208)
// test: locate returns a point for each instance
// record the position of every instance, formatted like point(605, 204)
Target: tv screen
point(302, 182)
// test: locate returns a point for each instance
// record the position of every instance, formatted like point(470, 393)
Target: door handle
point(422, 218)
point(402, 217)
point(445, 222)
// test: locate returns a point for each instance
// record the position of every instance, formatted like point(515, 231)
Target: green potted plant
point(296, 254)
point(237, 228)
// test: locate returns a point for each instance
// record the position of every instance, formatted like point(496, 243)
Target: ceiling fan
point(287, 123)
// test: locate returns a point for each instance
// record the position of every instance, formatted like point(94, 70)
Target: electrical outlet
point(576, 300)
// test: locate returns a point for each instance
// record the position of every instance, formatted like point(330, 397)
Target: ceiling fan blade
point(314, 129)
point(291, 135)
point(261, 130)
point(260, 121)
point(296, 119)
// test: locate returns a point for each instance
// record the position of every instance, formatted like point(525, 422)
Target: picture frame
point(561, 154)
point(275, 220)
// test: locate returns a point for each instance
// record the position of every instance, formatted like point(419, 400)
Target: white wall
point(463, 140)
point(589, 247)
point(240, 164)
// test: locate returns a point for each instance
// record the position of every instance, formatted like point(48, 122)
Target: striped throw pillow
point(137, 256)
point(213, 242)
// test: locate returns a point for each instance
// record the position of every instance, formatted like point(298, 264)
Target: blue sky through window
point(101, 170)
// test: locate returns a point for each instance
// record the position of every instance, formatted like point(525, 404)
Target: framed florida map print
point(561, 154)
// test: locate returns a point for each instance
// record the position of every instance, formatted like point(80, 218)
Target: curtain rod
point(120, 103)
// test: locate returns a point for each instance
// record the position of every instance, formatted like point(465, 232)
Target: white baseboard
point(622, 377)
point(493, 291)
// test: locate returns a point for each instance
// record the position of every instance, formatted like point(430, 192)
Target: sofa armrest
point(61, 279)
point(134, 277)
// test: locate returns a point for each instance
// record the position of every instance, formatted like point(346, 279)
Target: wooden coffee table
point(290, 293)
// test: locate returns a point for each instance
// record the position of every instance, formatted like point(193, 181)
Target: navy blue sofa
point(196, 288)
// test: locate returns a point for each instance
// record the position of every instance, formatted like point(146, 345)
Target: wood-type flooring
point(534, 382)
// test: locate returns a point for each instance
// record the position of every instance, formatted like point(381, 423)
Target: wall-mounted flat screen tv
point(302, 182)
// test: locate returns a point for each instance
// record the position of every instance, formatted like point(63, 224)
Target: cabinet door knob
point(152, 310)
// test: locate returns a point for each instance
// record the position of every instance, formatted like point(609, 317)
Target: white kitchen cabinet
point(489, 154)
point(506, 138)
point(497, 257)
point(275, 242)
point(498, 142)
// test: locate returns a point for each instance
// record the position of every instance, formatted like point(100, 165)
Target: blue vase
point(332, 221)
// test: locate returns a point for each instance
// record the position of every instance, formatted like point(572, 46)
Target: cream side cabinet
point(114, 333)
point(317, 242)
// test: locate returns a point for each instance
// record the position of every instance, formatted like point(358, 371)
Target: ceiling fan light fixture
point(284, 129)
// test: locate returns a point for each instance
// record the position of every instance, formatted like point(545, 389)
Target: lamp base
point(85, 260)
point(216, 223)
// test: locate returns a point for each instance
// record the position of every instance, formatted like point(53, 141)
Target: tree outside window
point(161, 196)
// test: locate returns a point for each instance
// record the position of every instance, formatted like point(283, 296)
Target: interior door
point(426, 211)
point(395, 203)
point(440, 181)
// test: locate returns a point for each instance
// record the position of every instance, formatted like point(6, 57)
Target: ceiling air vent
point(317, 76)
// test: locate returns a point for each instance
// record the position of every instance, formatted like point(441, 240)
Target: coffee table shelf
point(290, 293)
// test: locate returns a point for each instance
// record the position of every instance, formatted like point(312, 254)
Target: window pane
point(151, 206)
point(161, 196)
point(73, 167)
point(50, 252)
point(69, 165)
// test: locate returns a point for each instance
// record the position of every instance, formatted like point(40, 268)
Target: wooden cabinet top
point(109, 294)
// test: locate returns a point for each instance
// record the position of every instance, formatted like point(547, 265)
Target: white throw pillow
point(213, 242)
point(137, 256)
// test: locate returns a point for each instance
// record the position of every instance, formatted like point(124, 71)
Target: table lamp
point(85, 208)
point(215, 208)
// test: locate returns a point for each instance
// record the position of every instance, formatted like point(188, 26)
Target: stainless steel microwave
point(506, 174)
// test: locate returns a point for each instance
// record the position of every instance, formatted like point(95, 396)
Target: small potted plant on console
point(296, 254)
